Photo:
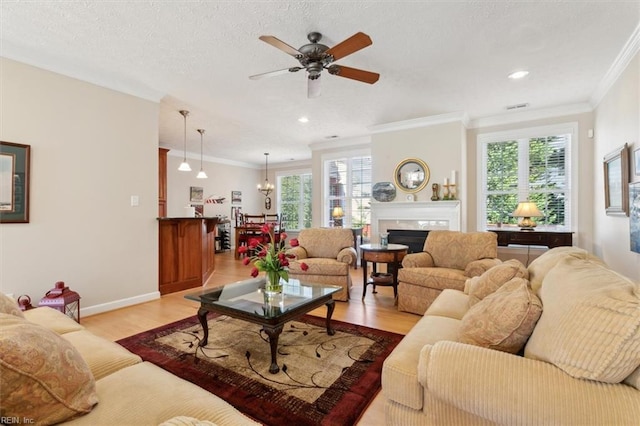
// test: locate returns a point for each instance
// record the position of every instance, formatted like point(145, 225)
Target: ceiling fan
point(315, 57)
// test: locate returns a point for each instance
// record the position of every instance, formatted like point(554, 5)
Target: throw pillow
point(503, 320)
point(44, 377)
point(590, 327)
point(480, 287)
point(9, 306)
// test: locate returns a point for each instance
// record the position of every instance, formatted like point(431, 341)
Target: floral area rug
point(323, 380)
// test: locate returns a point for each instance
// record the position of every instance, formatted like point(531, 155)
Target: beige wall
point(92, 149)
point(617, 121)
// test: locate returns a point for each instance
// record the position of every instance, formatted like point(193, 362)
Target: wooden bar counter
point(187, 250)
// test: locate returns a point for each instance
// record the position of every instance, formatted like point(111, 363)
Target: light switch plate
point(135, 201)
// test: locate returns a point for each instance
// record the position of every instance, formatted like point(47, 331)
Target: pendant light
point(201, 173)
point(184, 166)
point(267, 187)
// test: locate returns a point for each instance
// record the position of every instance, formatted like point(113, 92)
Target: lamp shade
point(337, 212)
point(526, 210)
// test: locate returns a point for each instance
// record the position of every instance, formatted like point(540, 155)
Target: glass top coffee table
point(247, 301)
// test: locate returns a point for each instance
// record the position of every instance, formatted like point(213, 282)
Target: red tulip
point(262, 252)
point(265, 228)
point(304, 266)
point(290, 256)
point(283, 236)
point(294, 242)
point(246, 261)
point(242, 249)
point(253, 243)
point(254, 272)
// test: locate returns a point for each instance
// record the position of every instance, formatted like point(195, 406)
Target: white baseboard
point(117, 304)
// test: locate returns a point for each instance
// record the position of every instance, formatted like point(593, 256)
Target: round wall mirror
point(412, 175)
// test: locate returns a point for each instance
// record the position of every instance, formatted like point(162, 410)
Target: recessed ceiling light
point(303, 119)
point(518, 74)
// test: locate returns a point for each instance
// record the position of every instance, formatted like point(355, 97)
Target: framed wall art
point(15, 160)
point(236, 197)
point(616, 181)
point(634, 216)
point(196, 194)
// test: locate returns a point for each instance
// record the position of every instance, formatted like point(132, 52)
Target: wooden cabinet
point(533, 238)
point(187, 252)
point(162, 182)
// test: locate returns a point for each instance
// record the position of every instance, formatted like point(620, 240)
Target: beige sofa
point(328, 252)
point(579, 320)
point(448, 259)
point(53, 370)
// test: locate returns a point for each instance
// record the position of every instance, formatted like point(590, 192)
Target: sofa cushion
point(541, 265)
point(103, 356)
point(453, 249)
point(590, 326)
point(145, 394)
point(400, 368)
point(43, 376)
point(9, 306)
point(440, 278)
point(52, 319)
point(504, 319)
point(480, 287)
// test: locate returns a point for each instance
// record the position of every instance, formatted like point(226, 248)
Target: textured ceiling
point(433, 57)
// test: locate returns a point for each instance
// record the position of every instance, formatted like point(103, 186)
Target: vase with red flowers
point(270, 257)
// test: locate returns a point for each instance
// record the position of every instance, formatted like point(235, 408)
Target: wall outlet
point(135, 201)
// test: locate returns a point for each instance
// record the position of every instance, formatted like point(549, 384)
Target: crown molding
point(433, 120)
point(517, 117)
point(341, 143)
point(628, 52)
point(196, 156)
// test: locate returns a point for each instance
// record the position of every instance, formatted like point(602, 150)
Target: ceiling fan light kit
point(314, 57)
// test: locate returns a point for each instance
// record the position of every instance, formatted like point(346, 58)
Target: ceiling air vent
point(518, 106)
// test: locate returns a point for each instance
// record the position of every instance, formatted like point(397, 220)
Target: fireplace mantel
point(429, 215)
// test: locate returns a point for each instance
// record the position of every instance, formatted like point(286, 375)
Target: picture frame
point(616, 181)
point(236, 197)
point(634, 217)
point(636, 161)
point(15, 164)
point(196, 194)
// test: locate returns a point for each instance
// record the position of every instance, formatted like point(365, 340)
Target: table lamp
point(337, 215)
point(526, 210)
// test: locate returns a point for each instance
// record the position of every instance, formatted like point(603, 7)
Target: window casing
point(294, 189)
point(347, 184)
point(527, 164)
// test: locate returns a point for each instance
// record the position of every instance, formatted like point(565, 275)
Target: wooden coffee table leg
point(274, 334)
point(330, 307)
point(202, 316)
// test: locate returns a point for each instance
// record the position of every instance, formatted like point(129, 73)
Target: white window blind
point(294, 200)
point(348, 182)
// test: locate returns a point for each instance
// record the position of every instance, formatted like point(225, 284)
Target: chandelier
point(266, 188)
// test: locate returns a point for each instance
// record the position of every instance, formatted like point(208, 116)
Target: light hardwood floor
point(375, 311)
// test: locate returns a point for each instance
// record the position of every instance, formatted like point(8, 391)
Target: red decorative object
point(64, 300)
point(24, 302)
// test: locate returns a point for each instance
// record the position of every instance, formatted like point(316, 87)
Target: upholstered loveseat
point(448, 259)
point(557, 343)
point(53, 370)
point(328, 253)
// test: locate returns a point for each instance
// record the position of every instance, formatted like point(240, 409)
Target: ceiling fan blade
point(313, 88)
point(277, 43)
point(352, 44)
point(354, 73)
point(274, 73)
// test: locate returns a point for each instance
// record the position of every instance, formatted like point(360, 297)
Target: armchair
point(328, 253)
point(448, 259)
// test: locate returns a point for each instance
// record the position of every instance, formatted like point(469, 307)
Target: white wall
point(92, 148)
point(617, 121)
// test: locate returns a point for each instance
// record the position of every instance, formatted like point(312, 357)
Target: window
point(294, 199)
point(530, 164)
point(348, 185)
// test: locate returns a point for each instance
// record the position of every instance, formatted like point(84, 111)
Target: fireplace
point(417, 215)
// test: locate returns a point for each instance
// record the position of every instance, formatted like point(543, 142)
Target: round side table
point(391, 254)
